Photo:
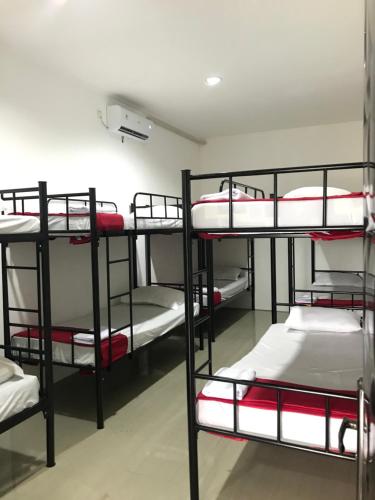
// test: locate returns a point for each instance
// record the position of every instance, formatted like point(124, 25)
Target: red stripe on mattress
point(104, 221)
point(310, 404)
point(306, 198)
point(335, 235)
point(217, 298)
point(339, 302)
point(119, 343)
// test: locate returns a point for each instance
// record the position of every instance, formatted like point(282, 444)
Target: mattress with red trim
point(84, 354)
point(81, 221)
point(326, 361)
point(344, 210)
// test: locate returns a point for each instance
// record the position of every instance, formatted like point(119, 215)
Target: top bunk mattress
point(19, 224)
point(325, 360)
point(345, 210)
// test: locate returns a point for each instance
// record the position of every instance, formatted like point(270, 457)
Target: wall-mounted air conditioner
point(127, 123)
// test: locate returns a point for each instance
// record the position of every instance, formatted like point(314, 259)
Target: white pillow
point(9, 369)
point(229, 273)
point(322, 319)
point(315, 192)
point(156, 295)
point(338, 279)
point(237, 194)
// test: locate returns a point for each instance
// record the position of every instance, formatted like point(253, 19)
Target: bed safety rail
point(143, 201)
point(254, 191)
point(273, 174)
point(280, 389)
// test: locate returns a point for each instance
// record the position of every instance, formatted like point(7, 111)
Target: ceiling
point(284, 63)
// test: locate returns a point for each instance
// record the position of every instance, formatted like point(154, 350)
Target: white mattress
point(227, 289)
point(341, 211)
point(17, 394)
point(152, 223)
point(11, 224)
point(149, 322)
point(323, 360)
point(174, 220)
point(230, 288)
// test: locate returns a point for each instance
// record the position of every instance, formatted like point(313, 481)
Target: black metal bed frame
point(354, 302)
point(205, 370)
point(94, 237)
point(42, 312)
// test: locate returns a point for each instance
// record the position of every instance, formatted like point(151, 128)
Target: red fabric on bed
point(339, 302)
point(104, 221)
point(217, 298)
point(310, 404)
point(119, 343)
point(335, 235)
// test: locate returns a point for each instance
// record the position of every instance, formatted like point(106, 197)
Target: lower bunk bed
point(333, 289)
point(18, 392)
point(73, 344)
point(229, 283)
point(294, 388)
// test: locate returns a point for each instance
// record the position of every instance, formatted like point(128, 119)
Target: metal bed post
point(190, 340)
point(131, 255)
point(94, 244)
point(273, 280)
point(252, 273)
point(46, 302)
point(312, 261)
point(148, 258)
point(201, 264)
point(210, 295)
point(109, 300)
point(4, 272)
point(291, 270)
point(134, 259)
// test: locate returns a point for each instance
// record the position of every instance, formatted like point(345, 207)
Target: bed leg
point(50, 437)
point(193, 462)
point(201, 338)
point(99, 398)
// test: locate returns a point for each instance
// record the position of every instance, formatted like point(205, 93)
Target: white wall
point(49, 131)
point(291, 147)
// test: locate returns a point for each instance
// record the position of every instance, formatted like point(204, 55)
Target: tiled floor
point(142, 452)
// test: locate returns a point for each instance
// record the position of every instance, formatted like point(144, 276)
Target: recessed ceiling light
point(212, 81)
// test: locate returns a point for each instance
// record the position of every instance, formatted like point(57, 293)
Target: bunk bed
point(21, 395)
point(275, 394)
point(328, 287)
point(128, 320)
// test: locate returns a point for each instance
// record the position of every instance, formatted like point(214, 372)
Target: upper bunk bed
point(318, 209)
point(80, 214)
point(15, 226)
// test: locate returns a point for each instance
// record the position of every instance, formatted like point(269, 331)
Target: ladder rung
point(22, 309)
point(31, 268)
point(201, 320)
point(119, 295)
point(116, 261)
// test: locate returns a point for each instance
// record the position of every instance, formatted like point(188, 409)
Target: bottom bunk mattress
point(226, 289)
point(315, 360)
point(149, 322)
point(17, 394)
